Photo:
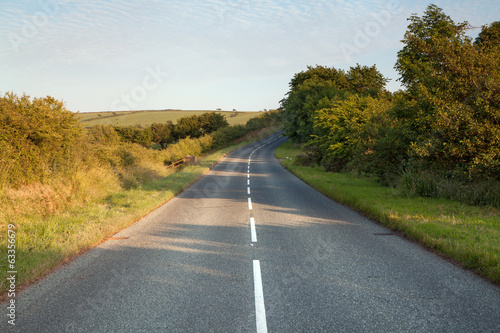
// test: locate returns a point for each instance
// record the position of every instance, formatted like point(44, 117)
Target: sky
point(120, 55)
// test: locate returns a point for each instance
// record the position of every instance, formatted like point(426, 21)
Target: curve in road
point(251, 248)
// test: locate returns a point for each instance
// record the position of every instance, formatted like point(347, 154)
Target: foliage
point(103, 134)
point(38, 138)
point(134, 134)
point(266, 119)
point(489, 37)
point(211, 122)
point(195, 126)
point(162, 133)
point(226, 135)
point(455, 84)
point(345, 131)
point(188, 126)
point(443, 129)
point(315, 88)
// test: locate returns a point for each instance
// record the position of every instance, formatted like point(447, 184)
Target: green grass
point(469, 235)
point(147, 117)
point(44, 241)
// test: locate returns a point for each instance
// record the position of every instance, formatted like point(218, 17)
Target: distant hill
point(147, 117)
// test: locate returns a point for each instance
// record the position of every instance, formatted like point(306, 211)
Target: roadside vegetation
point(67, 187)
point(424, 161)
point(440, 137)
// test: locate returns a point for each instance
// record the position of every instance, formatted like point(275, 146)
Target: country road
point(251, 248)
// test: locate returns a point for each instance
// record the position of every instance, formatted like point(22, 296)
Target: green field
point(148, 117)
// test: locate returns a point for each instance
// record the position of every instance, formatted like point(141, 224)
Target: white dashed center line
point(260, 309)
point(252, 230)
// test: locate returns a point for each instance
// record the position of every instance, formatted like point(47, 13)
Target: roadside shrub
point(225, 136)
point(135, 134)
point(312, 155)
point(345, 132)
point(126, 157)
point(38, 138)
point(303, 159)
point(187, 146)
point(103, 134)
point(421, 184)
point(426, 184)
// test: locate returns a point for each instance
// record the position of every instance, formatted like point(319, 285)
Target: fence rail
point(176, 164)
point(190, 159)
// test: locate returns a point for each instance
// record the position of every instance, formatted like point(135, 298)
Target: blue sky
point(229, 54)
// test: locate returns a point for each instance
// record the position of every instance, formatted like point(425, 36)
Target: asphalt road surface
point(251, 248)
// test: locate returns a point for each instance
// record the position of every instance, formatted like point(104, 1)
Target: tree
point(319, 74)
point(366, 81)
point(300, 105)
point(212, 121)
point(489, 36)
point(188, 126)
point(162, 133)
point(347, 129)
point(456, 87)
point(134, 134)
point(417, 61)
point(315, 88)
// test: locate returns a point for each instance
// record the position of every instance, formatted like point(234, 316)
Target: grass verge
point(469, 235)
point(45, 242)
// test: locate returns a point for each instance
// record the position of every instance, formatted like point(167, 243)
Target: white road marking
point(248, 190)
point(252, 230)
point(248, 181)
point(248, 175)
point(260, 309)
point(249, 203)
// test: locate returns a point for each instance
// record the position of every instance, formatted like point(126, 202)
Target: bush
point(346, 131)
point(38, 138)
point(187, 146)
point(426, 184)
point(103, 134)
point(225, 136)
point(135, 134)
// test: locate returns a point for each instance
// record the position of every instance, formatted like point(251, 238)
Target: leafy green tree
point(346, 131)
point(301, 104)
point(188, 126)
point(319, 74)
point(489, 36)
point(455, 84)
point(315, 88)
point(212, 121)
point(162, 133)
point(134, 134)
point(366, 81)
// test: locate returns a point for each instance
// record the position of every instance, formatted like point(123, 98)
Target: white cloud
point(102, 47)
